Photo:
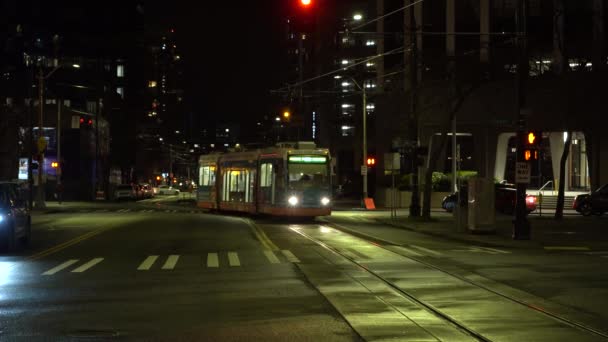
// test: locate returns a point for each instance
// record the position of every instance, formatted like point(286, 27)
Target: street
point(182, 274)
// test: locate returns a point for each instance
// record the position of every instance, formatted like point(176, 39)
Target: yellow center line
point(261, 236)
point(65, 245)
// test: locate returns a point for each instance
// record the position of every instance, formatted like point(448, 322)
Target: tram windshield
point(308, 172)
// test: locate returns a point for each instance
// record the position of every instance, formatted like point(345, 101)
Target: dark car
point(504, 200)
point(592, 203)
point(15, 219)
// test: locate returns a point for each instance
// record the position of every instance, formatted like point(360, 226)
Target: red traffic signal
point(305, 3)
point(90, 122)
point(81, 121)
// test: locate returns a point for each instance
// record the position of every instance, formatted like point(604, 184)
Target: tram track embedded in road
point(437, 312)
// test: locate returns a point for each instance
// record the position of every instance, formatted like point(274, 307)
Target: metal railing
point(540, 196)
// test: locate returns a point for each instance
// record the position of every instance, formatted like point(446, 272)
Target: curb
point(452, 237)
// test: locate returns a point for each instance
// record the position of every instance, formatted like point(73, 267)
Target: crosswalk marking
point(212, 260)
point(271, 257)
point(147, 264)
point(407, 251)
point(171, 262)
point(60, 267)
point(88, 265)
point(290, 256)
point(233, 259)
point(499, 251)
point(426, 250)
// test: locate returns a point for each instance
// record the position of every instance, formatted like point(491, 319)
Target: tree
point(559, 209)
point(454, 106)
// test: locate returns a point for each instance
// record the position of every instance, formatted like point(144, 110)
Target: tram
point(290, 179)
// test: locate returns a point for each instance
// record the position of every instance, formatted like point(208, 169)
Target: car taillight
point(531, 199)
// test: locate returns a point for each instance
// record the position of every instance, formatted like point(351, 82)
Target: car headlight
point(293, 201)
point(1, 218)
point(325, 201)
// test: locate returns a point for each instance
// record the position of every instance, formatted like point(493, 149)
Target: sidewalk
point(572, 232)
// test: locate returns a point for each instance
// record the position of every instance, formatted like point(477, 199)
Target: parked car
point(125, 192)
point(595, 202)
point(15, 218)
point(505, 196)
point(146, 191)
point(167, 190)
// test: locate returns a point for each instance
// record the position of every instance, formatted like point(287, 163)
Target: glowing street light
point(357, 16)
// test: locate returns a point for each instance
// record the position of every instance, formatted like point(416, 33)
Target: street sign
point(522, 173)
point(392, 161)
point(363, 170)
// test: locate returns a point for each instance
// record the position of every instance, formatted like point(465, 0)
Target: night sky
point(232, 55)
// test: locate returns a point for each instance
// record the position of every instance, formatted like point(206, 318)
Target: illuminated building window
point(121, 91)
point(347, 131)
point(120, 70)
point(152, 84)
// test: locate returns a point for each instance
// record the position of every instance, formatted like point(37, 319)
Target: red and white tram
point(291, 179)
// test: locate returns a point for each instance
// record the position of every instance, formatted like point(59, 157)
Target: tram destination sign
point(308, 159)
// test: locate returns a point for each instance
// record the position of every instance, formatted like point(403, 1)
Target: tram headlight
point(325, 200)
point(293, 201)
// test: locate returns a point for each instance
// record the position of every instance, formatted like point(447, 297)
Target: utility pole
point(451, 54)
point(363, 164)
point(40, 203)
point(521, 225)
point(59, 142)
point(415, 203)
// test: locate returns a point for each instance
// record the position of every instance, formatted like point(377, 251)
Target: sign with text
point(522, 173)
point(363, 170)
point(392, 161)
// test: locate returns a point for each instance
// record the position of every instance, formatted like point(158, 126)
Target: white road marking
point(407, 251)
point(271, 257)
point(290, 256)
point(212, 260)
point(147, 264)
point(426, 250)
point(60, 267)
point(171, 262)
point(233, 259)
point(88, 265)
point(499, 251)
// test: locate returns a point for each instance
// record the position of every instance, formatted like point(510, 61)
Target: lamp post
point(364, 143)
point(40, 200)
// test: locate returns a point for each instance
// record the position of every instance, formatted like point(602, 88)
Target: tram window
point(266, 175)
point(207, 176)
point(305, 175)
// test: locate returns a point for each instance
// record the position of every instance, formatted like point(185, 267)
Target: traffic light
point(371, 161)
point(86, 123)
point(305, 3)
point(286, 115)
point(531, 144)
point(54, 165)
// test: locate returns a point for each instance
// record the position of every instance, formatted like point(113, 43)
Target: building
point(87, 78)
point(165, 125)
point(474, 72)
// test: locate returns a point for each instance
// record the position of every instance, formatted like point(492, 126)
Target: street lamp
point(364, 143)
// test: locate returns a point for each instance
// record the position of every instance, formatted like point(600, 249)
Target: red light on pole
point(305, 3)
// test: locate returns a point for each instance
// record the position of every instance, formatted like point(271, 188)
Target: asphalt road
point(147, 273)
